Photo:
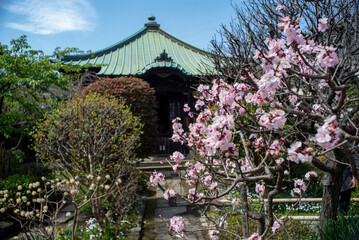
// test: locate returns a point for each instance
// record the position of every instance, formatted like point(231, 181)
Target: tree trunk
point(245, 208)
point(331, 191)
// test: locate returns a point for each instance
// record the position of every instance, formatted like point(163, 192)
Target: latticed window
point(175, 109)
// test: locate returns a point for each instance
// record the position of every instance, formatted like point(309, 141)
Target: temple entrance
point(171, 94)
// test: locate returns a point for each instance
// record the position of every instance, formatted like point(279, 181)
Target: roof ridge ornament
point(151, 24)
point(163, 57)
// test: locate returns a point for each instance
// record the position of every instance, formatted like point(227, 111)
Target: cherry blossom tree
point(291, 102)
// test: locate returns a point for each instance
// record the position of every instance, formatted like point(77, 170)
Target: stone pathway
point(165, 210)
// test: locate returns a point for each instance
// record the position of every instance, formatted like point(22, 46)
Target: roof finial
point(151, 23)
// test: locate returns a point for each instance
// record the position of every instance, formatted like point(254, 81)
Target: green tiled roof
point(151, 47)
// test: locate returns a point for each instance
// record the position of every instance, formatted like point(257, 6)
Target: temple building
point(172, 67)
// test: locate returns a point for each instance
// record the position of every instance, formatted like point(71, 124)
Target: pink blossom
point(275, 148)
point(213, 186)
point(189, 165)
point(299, 183)
point(169, 193)
point(177, 157)
point(293, 154)
point(257, 54)
point(306, 49)
point(279, 161)
point(156, 177)
point(213, 234)
point(192, 173)
point(199, 104)
point(295, 192)
point(255, 236)
point(175, 167)
point(202, 88)
point(291, 33)
point(199, 167)
point(259, 143)
point(207, 179)
point(273, 120)
point(235, 202)
point(306, 155)
point(310, 175)
point(260, 189)
point(277, 225)
point(317, 108)
point(285, 19)
point(191, 193)
point(253, 135)
point(293, 98)
point(323, 24)
point(186, 108)
point(328, 135)
point(178, 132)
point(176, 224)
point(327, 58)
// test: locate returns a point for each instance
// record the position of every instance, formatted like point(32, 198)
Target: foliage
point(36, 205)
point(92, 230)
point(9, 160)
point(12, 183)
point(345, 227)
point(299, 208)
point(297, 230)
point(27, 77)
point(87, 135)
point(140, 97)
point(92, 139)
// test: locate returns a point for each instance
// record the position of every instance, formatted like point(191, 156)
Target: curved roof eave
point(104, 50)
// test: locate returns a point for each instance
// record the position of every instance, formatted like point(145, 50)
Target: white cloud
point(52, 16)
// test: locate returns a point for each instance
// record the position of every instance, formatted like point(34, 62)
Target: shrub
point(140, 97)
point(345, 227)
point(91, 141)
point(12, 183)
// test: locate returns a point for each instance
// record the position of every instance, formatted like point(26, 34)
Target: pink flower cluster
point(299, 188)
point(156, 177)
point(310, 175)
point(255, 236)
point(273, 120)
point(248, 115)
point(296, 155)
point(260, 189)
point(277, 225)
point(328, 135)
point(275, 148)
point(177, 225)
point(214, 234)
point(169, 193)
point(177, 157)
point(323, 24)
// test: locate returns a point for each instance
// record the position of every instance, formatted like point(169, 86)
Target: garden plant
point(90, 142)
point(293, 105)
point(137, 94)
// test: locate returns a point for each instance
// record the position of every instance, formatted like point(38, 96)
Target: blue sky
point(94, 24)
